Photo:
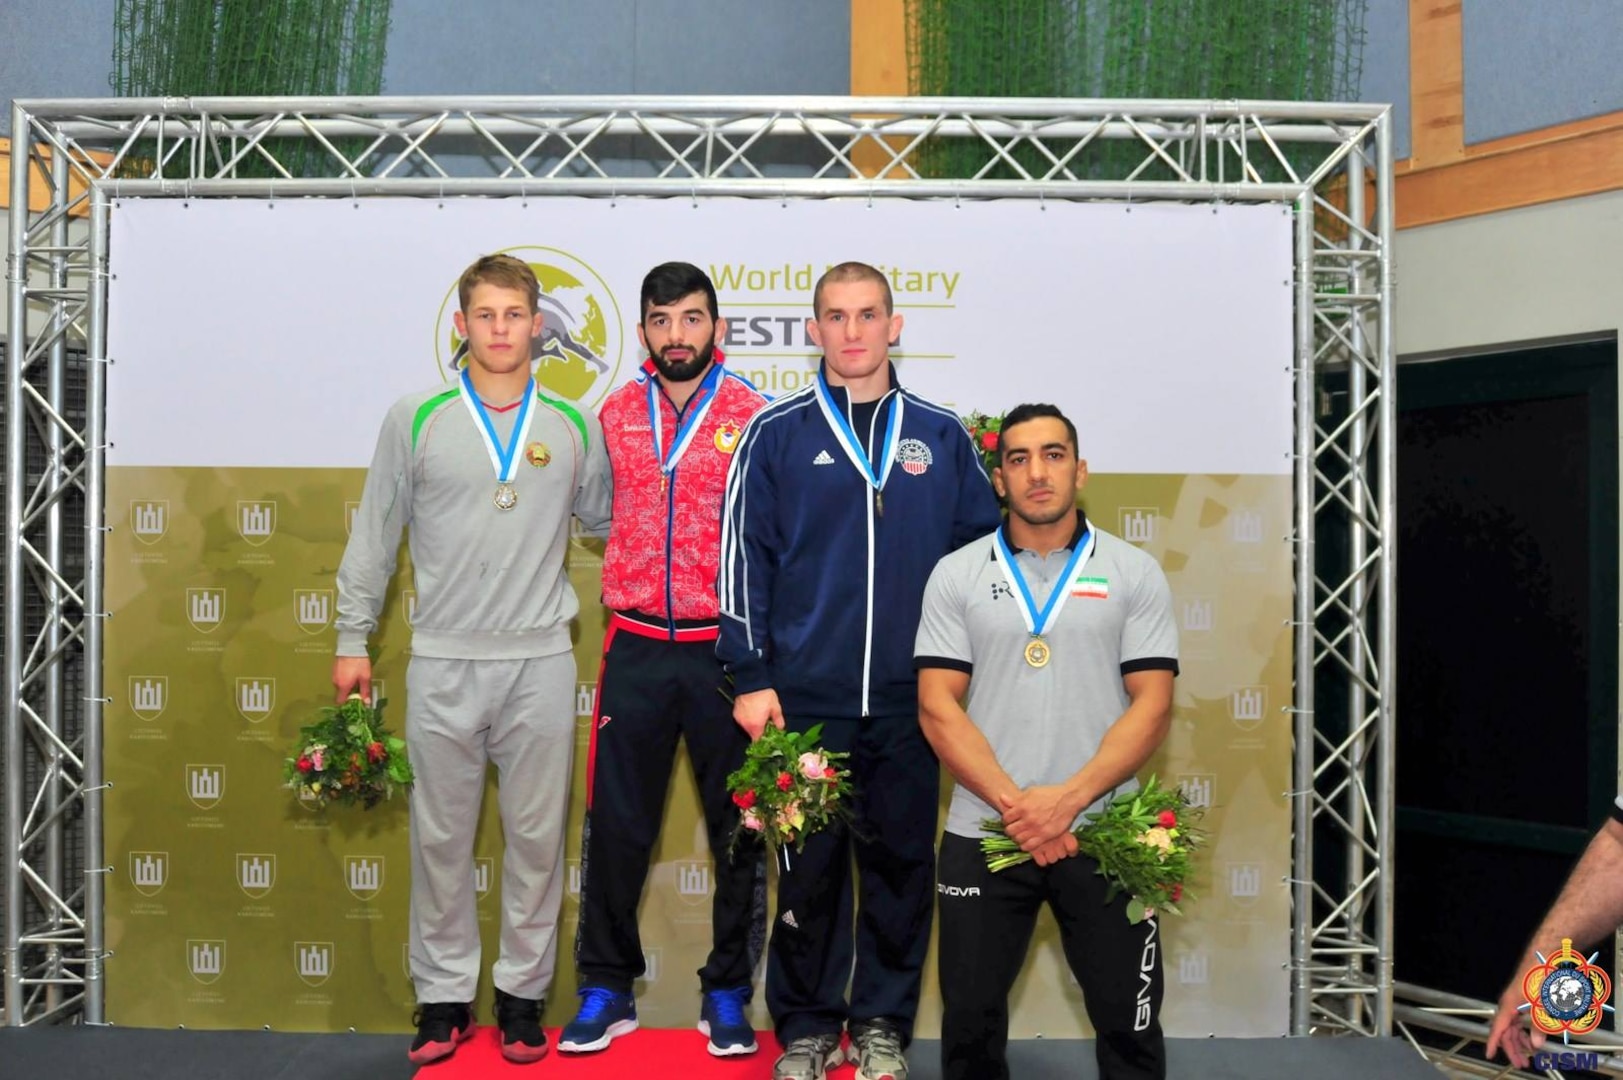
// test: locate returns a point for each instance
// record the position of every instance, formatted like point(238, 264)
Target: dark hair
point(1021, 413)
point(669, 282)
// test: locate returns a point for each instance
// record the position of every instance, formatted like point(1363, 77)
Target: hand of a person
point(1037, 815)
point(1511, 1032)
point(754, 710)
point(352, 675)
point(1061, 847)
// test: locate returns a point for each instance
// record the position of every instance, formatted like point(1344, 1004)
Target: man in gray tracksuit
point(483, 478)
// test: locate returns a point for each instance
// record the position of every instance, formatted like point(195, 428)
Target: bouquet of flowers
point(788, 788)
point(984, 430)
point(1142, 841)
point(348, 756)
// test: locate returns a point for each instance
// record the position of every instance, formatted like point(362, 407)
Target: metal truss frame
point(1448, 1030)
point(1331, 163)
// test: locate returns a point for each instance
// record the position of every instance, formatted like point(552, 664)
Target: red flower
point(744, 799)
point(304, 764)
point(785, 781)
point(830, 773)
point(1167, 819)
point(1177, 891)
point(988, 440)
point(374, 752)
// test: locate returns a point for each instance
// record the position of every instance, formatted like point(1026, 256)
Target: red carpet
point(645, 1053)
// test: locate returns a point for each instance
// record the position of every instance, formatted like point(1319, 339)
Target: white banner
point(276, 334)
point(256, 346)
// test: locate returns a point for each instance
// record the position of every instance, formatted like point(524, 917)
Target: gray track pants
point(520, 716)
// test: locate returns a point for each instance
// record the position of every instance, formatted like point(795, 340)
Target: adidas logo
point(789, 920)
point(823, 458)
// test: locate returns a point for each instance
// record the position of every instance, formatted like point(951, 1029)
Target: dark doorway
point(1507, 701)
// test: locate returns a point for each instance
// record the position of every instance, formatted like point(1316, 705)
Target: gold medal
point(1037, 653)
point(506, 497)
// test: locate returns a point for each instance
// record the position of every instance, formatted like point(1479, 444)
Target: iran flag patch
point(1091, 588)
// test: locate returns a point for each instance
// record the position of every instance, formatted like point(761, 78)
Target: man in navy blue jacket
point(840, 499)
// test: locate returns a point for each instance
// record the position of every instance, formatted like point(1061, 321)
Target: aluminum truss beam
point(1331, 162)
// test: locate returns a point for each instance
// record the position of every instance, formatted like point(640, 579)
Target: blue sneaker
point(604, 1016)
point(722, 1018)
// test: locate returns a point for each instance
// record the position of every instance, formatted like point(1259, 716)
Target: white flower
point(1157, 837)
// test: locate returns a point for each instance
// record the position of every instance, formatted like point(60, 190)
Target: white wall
point(1541, 272)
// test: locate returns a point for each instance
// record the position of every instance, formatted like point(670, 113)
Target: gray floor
point(80, 1053)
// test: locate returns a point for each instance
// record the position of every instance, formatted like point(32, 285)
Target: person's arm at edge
point(978, 511)
point(594, 496)
point(745, 574)
point(371, 555)
point(960, 745)
point(1589, 907)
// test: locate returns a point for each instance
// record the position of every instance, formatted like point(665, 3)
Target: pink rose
point(812, 766)
point(317, 760)
point(752, 821)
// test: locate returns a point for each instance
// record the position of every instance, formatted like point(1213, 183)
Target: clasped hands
point(1039, 819)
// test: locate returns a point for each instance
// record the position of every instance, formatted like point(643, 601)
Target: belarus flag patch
point(1091, 588)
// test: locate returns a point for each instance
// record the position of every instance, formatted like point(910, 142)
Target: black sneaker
point(523, 1041)
point(440, 1026)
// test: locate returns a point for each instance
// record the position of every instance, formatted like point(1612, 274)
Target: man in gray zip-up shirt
point(482, 478)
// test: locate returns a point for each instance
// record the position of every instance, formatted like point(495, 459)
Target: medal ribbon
point(1037, 623)
point(503, 459)
point(852, 445)
point(687, 428)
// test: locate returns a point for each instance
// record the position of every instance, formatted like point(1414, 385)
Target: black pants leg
point(899, 793)
point(986, 925)
point(716, 746)
point(809, 955)
point(814, 950)
point(628, 771)
point(986, 922)
point(1118, 966)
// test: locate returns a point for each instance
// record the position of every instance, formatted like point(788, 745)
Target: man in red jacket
point(670, 434)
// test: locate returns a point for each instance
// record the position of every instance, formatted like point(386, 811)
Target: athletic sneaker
point(440, 1026)
point(523, 1041)
point(722, 1018)
point(604, 1016)
point(809, 1058)
point(878, 1045)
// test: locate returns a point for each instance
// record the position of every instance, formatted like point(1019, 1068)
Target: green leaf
point(1135, 910)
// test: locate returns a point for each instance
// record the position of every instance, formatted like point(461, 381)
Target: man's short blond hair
point(847, 272)
point(502, 271)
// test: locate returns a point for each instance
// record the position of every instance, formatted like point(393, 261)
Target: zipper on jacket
point(670, 530)
point(867, 636)
point(670, 521)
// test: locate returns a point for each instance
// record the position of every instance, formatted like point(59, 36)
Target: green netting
point(1281, 50)
point(251, 48)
